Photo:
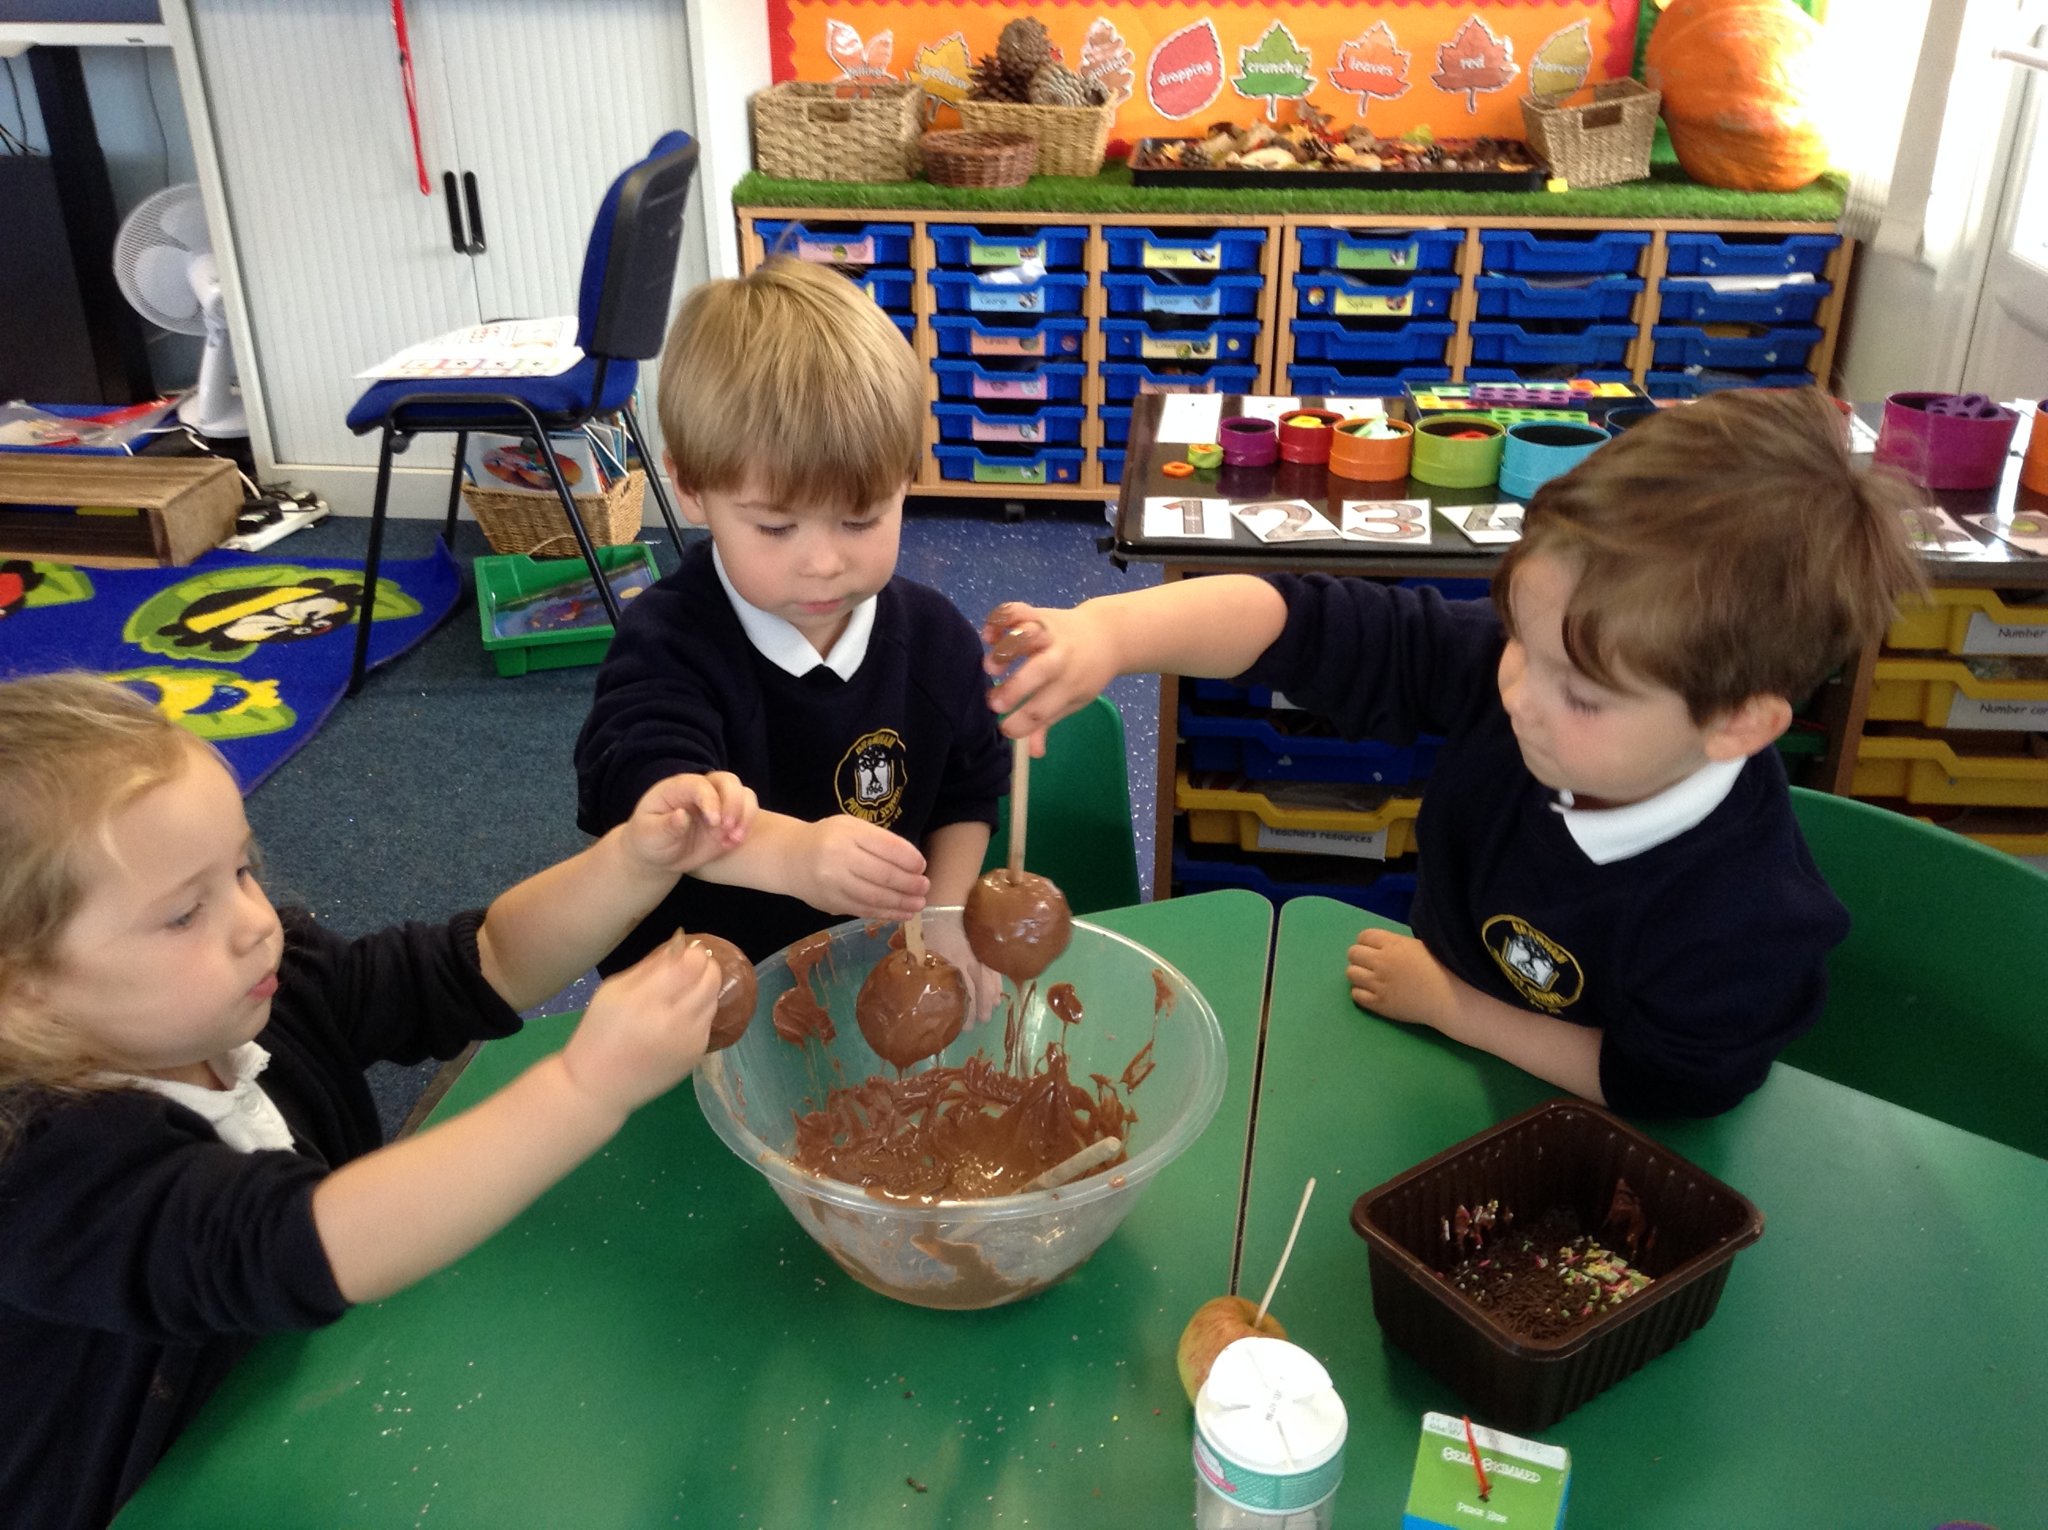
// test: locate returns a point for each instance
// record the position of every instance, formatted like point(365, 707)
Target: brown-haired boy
point(784, 649)
point(1613, 894)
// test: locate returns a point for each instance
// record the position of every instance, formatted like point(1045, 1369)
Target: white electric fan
point(163, 260)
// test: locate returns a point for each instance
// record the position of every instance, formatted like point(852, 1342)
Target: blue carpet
point(247, 651)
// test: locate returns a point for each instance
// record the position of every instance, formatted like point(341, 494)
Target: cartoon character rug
point(248, 651)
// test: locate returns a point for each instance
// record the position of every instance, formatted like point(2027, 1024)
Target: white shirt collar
point(242, 1115)
point(788, 649)
point(1614, 834)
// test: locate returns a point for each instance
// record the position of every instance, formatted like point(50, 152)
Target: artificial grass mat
point(1667, 194)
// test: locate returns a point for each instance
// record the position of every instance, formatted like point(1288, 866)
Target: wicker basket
point(978, 159)
point(1072, 140)
point(812, 132)
point(1601, 143)
point(523, 521)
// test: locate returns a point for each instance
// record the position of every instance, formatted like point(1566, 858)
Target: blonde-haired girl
point(189, 1156)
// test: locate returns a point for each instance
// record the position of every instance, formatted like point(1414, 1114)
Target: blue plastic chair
point(1080, 833)
point(629, 270)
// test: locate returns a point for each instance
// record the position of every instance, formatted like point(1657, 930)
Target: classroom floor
point(443, 783)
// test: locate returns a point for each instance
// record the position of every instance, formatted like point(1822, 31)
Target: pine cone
point(1057, 85)
point(1023, 48)
point(992, 82)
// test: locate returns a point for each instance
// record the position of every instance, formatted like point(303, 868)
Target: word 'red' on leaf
point(1276, 67)
point(1474, 60)
point(1370, 65)
point(1107, 59)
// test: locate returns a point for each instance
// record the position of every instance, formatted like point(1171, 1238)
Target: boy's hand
point(984, 984)
point(684, 821)
point(646, 1028)
point(1056, 662)
point(860, 868)
point(1395, 976)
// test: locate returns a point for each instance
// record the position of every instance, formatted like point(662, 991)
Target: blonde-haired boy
point(1613, 894)
point(784, 649)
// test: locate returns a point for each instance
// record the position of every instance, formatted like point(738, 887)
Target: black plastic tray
point(1532, 179)
point(1569, 1154)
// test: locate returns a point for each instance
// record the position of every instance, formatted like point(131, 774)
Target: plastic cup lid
point(1269, 1405)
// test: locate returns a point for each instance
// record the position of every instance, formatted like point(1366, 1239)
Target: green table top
point(1877, 1358)
point(656, 1341)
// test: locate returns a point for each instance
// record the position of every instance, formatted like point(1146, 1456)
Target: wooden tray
point(1532, 179)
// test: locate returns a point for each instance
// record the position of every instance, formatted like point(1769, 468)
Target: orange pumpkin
point(1740, 81)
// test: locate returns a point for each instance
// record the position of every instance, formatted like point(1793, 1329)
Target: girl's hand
point(684, 821)
point(1047, 663)
point(859, 868)
point(646, 1028)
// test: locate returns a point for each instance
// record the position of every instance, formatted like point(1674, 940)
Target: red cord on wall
point(412, 105)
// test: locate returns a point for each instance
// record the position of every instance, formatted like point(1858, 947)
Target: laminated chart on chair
point(510, 348)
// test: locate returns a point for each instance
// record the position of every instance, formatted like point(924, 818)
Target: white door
point(2008, 352)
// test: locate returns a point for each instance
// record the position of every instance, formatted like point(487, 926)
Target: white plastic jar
point(1269, 1440)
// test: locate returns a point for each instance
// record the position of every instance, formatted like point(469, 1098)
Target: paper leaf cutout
point(1370, 65)
point(1474, 61)
point(943, 71)
point(1107, 59)
point(858, 60)
point(1560, 66)
point(1276, 67)
point(1185, 72)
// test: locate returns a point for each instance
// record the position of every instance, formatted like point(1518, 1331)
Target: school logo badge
point(1543, 972)
point(870, 777)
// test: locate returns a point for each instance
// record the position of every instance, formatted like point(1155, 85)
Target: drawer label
point(1009, 472)
point(1006, 300)
point(988, 253)
point(1399, 305)
point(1351, 258)
point(1984, 635)
point(2019, 716)
point(1008, 430)
point(1360, 847)
point(1189, 349)
point(843, 252)
point(1006, 345)
point(1203, 257)
point(1190, 300)
point(1033, 387)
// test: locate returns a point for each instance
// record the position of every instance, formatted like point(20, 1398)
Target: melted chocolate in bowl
point(1017, 922)
point(738, 993)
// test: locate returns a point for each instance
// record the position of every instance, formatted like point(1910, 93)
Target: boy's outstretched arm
point(839, 865)
point(1395, 976)
point(546, 932)
point(1057, 661)
point(404, 1211)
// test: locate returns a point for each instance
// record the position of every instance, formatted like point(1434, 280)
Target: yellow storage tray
point(1944, 693)
point(1969, 621)
point(1926, 770)
point(1297, 817)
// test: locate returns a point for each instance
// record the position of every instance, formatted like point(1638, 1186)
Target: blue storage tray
point(1384, 381)
point(1514, 249)
point(1216, 296)
point(965, 292)
point(1123, 381)
point(1254, 747)
point(1746, 254)
point(1349, 297)
point(1681, 345)
point(1513, 345)
point(1516, 297)
point(1045, 382)
point(1694, 302)
point(1228, 249)
point(1339, 249)
point(977, 464)
point(1544, 374)
point(1390, 894)
point(1116, 424)
point(1333, 340)
point(958, 336)
point(907, 322)
point(1226, 340)
point(837, 244)
point(1695, 384)
point(1010, 425)
point(1057, 248)
point(1112, 461)
point(890, 289)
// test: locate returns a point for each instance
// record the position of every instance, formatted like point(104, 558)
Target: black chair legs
point(656, 478)
point(370, 562)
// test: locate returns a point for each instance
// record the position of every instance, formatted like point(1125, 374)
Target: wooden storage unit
point(1811, 318)
point(116, 512)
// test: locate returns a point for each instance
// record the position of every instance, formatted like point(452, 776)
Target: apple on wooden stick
point(1221, 1321)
